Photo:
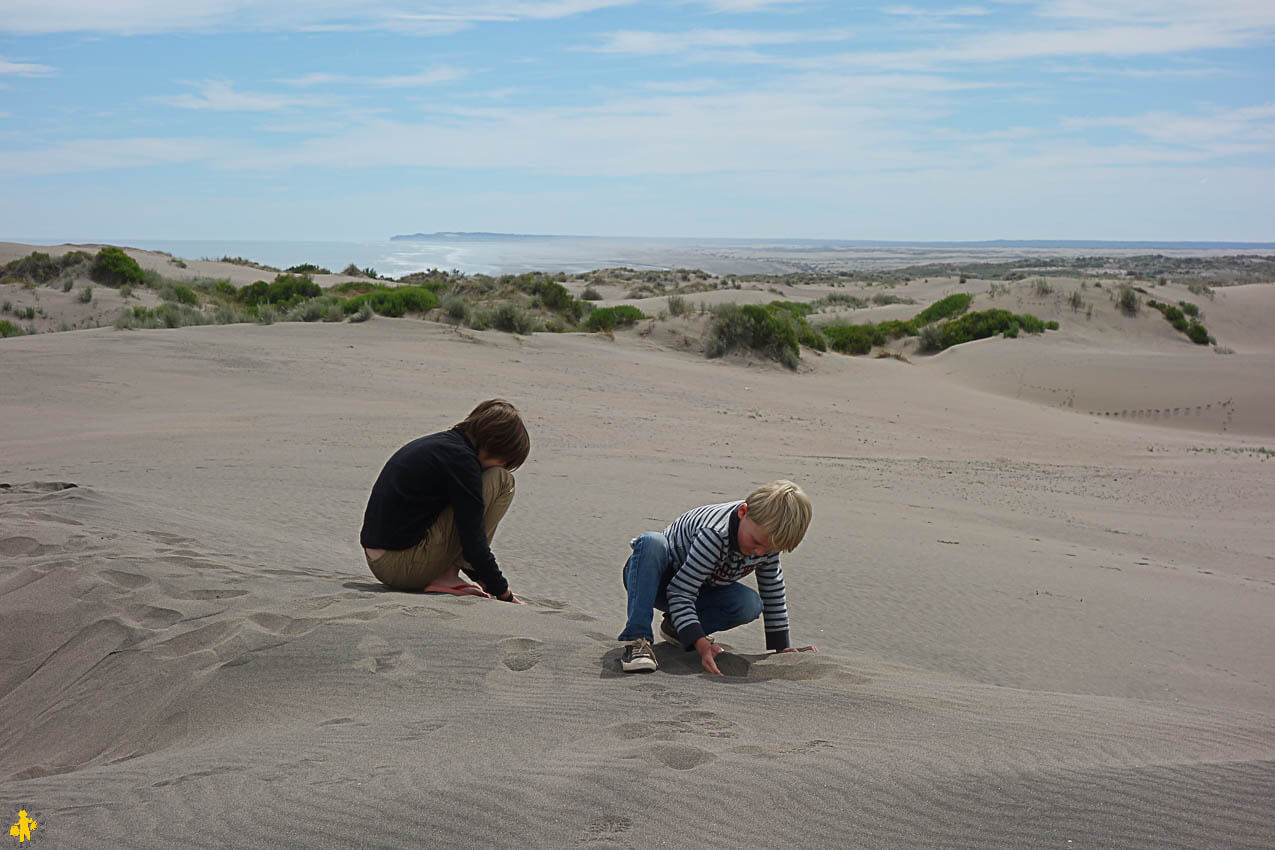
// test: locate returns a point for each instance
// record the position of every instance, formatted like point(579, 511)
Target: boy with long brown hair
point(434, 508)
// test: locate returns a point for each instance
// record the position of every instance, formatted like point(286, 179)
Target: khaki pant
point(415, 568)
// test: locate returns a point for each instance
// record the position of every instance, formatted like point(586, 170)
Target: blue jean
point(646, 577)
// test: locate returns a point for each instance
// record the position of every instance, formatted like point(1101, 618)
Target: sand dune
point(1040, 625)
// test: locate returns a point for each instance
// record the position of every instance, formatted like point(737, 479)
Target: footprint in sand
point(280, 624)
point(779, 752)
point(128, 581)
point(705, 723)
point(521, 653)
point(606, 827)
point(676, 756)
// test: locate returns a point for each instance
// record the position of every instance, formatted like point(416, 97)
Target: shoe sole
point(639, 665)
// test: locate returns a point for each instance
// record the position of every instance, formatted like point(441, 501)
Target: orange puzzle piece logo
point(22, 829)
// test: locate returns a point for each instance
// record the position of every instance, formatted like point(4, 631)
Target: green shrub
point(266, 314)
point(512, 319)
point(930, 339)
point(67, 284)
point(455, 308)
point(952, 305)
point(981, 325)
point(853, 339)
point(223, 288)
point(591, 294)
point(307, 311)
point(1043, 288)
point(482, 320)
point(753, 327)
point(308, 269)
point(8, 328)
point(394, 302)
point(113, 267)
point(6, 307)
point(37, 267)
point(86, 295)
point(363, 313)
point(126, 291)
point(895, 329)
point(334, 312)
point(184, 294)
point(1128, 302)
point(610, 318)
point(794, 316)
point(555, 325)
point(1197, 334)
point(1189, 309)
point(1051, 325)
point(677, 305)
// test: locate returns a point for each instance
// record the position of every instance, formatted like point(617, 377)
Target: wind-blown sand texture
point(1041, 577)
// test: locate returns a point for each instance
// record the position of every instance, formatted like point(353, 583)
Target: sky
point(359, 119)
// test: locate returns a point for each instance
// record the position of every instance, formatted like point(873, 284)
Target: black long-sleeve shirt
point(418, 482)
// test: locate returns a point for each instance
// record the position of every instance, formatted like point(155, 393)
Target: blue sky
point(345, 120)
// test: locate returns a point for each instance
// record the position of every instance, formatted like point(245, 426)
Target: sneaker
point(638, 657)
point(668, 632)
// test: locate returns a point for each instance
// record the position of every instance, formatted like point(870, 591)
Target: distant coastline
point(1038, 244)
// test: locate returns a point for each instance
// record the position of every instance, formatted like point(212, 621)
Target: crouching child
point(691, 571)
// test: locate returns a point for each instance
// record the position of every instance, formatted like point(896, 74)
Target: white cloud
point(134, 17)
point(748, 5)
point(1220, 132)
point(428, 77)
point(24, 69)
point(221, 96)
point(100, 154)
point(648, 43)
point(957, 12)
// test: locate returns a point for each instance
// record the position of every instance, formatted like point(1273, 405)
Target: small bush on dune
point(394, 302)
point(753, 327)
point(677, 305)
point(610, 318)
point(987, 323)
point(307, 311)
point(307, 269)
point(363, 314)
point(86, 295)
point(945, 308)
point(113, 267)
point(853, 339)
point(8, 329)
point(591, 294)
point(1128, 302)
point(512, 319)
point(1197, 334)
point(455, 309)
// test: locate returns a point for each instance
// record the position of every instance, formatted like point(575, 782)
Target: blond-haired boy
point(692, 568)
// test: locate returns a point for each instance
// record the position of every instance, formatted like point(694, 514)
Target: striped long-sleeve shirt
point(704, 551)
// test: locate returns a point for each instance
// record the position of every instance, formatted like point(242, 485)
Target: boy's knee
point(498, 483)
point(651, 543)
point(750, 607)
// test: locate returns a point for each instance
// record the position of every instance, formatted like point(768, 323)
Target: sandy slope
point(1038, 625)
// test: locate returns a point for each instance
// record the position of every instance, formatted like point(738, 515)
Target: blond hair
point(783, 510)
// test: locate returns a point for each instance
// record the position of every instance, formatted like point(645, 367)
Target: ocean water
point(496, 254)
point(394, 259)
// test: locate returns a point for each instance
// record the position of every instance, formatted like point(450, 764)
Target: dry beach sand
point(1041, 575)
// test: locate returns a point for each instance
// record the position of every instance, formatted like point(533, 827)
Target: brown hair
point(495, 425)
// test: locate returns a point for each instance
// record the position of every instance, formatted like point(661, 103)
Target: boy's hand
point(797, 649)
point(508, 596)
point(708, 651)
